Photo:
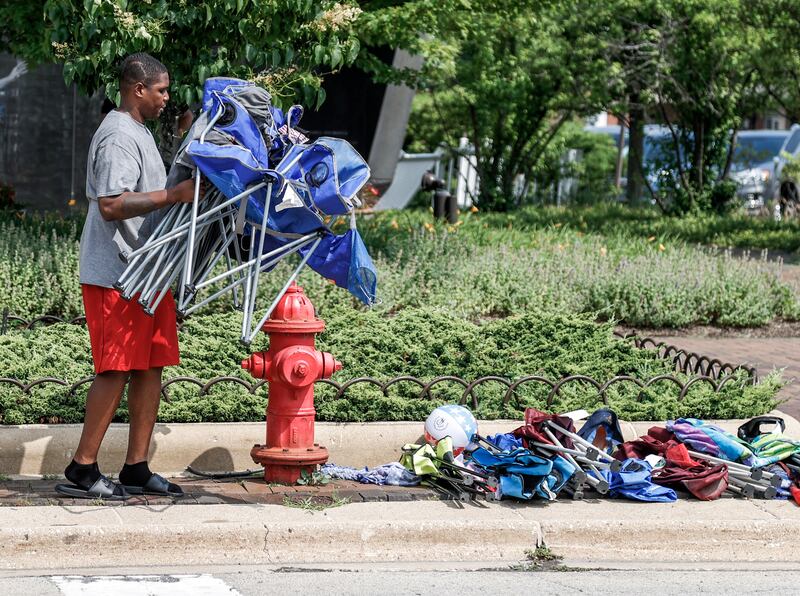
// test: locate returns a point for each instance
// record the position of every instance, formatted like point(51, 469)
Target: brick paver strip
point(202, 491)
point(765, 354)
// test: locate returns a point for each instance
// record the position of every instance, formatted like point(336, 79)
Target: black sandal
point(104, 489)
point(156, 485)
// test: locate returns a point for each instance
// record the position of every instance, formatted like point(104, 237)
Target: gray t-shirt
point(122, 157)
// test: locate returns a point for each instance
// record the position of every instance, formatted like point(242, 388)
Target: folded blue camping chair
point(602, 430)
point(237, 123)
point(561, 473)
point(226, 85)
point(505, 441)
point(633, 481)
point(288, 217)
point(329, 172)
point(235, 166)
point(521, 474)
point(246, 146)
point(231, 168)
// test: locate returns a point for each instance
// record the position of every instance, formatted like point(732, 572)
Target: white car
point(756, 159)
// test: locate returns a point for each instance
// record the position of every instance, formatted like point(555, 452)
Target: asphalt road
point(257, 581)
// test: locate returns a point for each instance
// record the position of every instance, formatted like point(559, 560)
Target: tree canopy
point(507, 74)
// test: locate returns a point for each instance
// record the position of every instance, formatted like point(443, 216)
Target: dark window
point(794, 141)
point(751, 150)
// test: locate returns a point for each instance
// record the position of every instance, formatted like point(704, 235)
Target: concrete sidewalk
point(591, 533)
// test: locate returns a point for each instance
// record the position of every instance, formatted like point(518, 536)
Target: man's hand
point(184, 191)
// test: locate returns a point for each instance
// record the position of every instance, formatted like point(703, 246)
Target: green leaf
point(202, 73)
point(208, 14)
point(321, 95)
point(319, 53)
point(249, 52)
point(276, 57)
point(107, 49)
point(68, 72)
point(352, 51)
point(289, 55)
point(336, 56)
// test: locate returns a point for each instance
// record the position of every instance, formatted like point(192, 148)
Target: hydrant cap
point(294, 307)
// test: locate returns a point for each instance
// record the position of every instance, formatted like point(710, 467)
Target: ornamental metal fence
point(696, 368)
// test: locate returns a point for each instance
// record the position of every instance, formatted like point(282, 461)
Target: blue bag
point(344, 260)
point(633, 481)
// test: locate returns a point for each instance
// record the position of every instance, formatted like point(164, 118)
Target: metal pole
point(559, 449)
point(227, 254)
point(256, 270)
point(180, 230)
point(595, 482)
point(175, 233)
point(214, 296)
point(195, 203)
point(181, 249)
point(74, 135)
point(292, 245)
point(167, 219)
point(620, 150)
point(755, 473)
point(579, 440)
point(292, 277)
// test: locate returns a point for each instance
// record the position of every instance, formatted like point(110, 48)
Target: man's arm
point(133, 204)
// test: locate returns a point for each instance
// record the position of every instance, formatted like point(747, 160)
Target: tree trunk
point(633, 192)
point(699, 150)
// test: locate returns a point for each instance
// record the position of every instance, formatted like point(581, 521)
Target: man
point(125, 180)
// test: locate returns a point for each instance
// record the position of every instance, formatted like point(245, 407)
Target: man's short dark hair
point(140, 68)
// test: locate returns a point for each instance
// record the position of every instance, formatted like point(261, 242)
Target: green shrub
point(39, 270)
point(489, 266)
point(421, 342)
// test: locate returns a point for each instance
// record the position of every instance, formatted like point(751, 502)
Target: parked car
point(788, 200)
point(757, 165)
point(753, 168)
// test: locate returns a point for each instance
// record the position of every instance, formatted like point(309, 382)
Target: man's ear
point(139, 89)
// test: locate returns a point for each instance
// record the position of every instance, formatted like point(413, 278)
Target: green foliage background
point(610, 263)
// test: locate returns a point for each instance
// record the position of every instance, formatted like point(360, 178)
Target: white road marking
point(138, 585)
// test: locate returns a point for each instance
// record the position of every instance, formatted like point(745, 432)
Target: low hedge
point(421, 342)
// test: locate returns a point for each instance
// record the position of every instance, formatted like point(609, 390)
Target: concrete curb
point(48, 537)
point(603, 532)
point(685, 531)
point(36, 449)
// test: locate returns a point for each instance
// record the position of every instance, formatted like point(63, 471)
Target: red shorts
point(125, 338)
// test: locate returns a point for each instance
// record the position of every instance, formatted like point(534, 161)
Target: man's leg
point(144, 396)
point(101, 403)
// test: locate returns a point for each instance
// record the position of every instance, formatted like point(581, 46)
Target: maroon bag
point(532, 430)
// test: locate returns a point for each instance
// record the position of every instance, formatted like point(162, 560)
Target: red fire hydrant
point(291, 365)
